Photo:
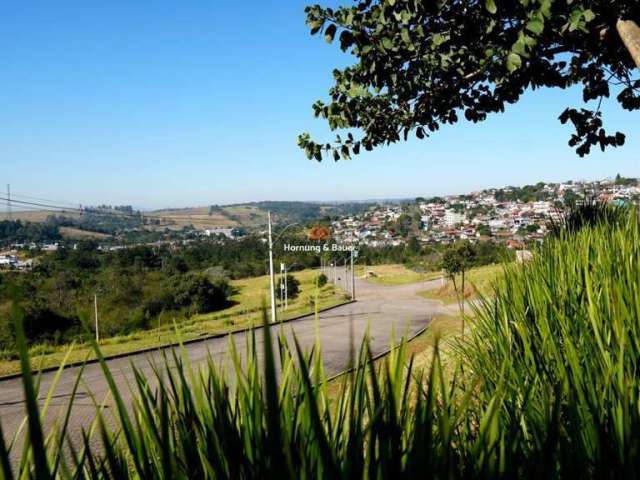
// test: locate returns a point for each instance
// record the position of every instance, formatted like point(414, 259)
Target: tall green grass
point(545, 387)
point(559, 348)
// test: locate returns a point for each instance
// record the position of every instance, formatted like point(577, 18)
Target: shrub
point(198, 294)
point(293, 287)
point(322, 280)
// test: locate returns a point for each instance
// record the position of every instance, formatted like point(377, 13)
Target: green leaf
point(404, 34)
point(329, 33)
point(588, 15)
point(519, 47)
point(490, 5)
point(514, 62)
point(535, 26)
point(437, 39)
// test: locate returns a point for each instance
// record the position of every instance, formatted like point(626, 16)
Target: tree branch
point(630, 34)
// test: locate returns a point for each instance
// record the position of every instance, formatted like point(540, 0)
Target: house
point(451, 218)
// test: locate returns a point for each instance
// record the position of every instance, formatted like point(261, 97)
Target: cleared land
point(77, 234)
point(246, 311)
point(394, 274)
point(203, 217)
point(38, 216)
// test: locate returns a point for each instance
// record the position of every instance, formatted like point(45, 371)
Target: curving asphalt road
point(385, 310)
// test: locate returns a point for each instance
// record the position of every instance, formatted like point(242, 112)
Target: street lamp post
point(271, 279)
point(271, 274)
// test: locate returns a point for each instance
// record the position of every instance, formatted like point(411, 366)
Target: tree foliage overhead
point(422, 64)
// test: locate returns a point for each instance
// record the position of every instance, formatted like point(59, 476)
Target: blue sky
point(170, 103)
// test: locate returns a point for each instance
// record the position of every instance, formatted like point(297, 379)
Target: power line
point(163, 220)
point(101, 211)
point(29, 197)
point(26, 208)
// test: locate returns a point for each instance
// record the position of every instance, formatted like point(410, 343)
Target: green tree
point(484, 229)
point(293, 287)
point(322, 280)
point(457, 260)
point(422, 64)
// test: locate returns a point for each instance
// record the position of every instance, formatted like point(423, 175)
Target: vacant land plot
point(77, 234)
point(394, 274)
point(38, 216)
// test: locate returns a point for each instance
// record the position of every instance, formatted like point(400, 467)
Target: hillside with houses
point(515, 215)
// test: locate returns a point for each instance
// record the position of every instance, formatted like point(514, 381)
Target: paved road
point(385, 310)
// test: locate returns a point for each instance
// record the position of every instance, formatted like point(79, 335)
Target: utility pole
point(8, 201)
point(286, 294)
point(335, 272)
point(346, 278)
point(95, 306)
point(353, 279)
point(272, 292)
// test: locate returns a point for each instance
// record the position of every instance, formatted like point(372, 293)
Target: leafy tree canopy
point(421, 64)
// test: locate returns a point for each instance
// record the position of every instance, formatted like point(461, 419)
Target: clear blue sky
point(175, 103)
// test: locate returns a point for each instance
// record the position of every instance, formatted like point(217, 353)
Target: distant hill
point(246, 215)
point(211, 217)
point(254, 214)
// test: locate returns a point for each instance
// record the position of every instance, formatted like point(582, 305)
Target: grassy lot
point(245, 312)
point(230, 216)
point(478, 280)
point(394, 274)
point(77, 234)
point(38, 215)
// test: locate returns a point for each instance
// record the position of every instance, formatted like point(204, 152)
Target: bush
point(322, 280)
point(293, 287)
point(43, 324)
point(198, 294)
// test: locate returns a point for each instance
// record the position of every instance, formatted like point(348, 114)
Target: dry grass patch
point(478, 281)
point(393, 274)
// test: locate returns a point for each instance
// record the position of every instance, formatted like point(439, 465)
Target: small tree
point(457, 260)
point(293, 286)
point(322, 280)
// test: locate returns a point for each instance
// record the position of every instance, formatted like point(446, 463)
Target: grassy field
point(478, 281)
point(77, 234)
point(38, 215)
point(245, 312)
point(394, 274)
point(225, 217)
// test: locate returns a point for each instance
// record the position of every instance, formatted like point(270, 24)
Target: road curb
point(381, 354)
point(205, 338)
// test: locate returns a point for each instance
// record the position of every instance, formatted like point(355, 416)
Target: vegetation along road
point(386, 311)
